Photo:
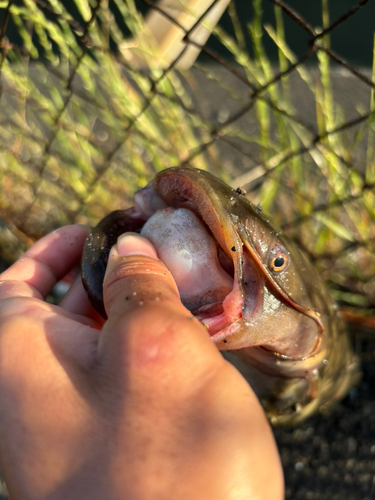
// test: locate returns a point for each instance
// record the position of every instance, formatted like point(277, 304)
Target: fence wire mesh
point(95, 99)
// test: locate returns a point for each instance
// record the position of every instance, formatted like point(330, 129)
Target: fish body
point(267, 307)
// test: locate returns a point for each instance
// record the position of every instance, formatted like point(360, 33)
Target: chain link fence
point(95, 99)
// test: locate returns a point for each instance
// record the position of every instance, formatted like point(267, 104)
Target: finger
point(133, 262)
point(76, 301)
point(49, 260)
point(148, 328)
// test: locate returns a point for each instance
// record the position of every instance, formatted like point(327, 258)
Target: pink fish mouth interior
point(215, 288)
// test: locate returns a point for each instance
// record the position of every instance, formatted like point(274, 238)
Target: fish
point(261, 300)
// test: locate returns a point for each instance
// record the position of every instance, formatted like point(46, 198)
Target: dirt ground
point(332, 457)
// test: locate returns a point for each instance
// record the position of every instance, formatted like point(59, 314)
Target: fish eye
point(279, 260)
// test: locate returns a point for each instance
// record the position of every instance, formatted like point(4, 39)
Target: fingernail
point(134, 244)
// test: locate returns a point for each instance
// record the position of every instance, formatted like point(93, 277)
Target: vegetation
point(80, 130)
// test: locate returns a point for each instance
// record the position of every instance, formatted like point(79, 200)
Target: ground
point(332, 457)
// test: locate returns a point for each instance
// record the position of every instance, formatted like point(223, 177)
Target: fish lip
point(223, 335)
point(251, 310)
point(270, 362)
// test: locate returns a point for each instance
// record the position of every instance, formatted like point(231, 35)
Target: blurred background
point(276, 97)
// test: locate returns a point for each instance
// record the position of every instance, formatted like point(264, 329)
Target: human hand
point(142, 406)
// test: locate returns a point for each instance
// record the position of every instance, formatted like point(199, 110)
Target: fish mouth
point(233, 299)
point(242, 306)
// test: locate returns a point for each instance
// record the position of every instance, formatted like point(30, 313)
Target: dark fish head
point(272, 298)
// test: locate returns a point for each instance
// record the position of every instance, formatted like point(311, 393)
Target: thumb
point(148, 329)
point(135, 277)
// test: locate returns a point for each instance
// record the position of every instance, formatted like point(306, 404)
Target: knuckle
point(134, 267)
point(133, 283)
point(160, 346)
point(150, 334)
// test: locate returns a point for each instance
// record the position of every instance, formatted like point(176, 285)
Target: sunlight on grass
point(80, 130)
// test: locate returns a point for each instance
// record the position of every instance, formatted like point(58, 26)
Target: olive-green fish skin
point(289, 339)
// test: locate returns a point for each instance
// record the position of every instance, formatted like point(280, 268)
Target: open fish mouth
point(195, 239)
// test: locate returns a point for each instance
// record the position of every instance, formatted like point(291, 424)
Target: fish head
point(273, 295)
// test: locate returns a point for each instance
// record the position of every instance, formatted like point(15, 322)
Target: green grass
point(75, 152)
